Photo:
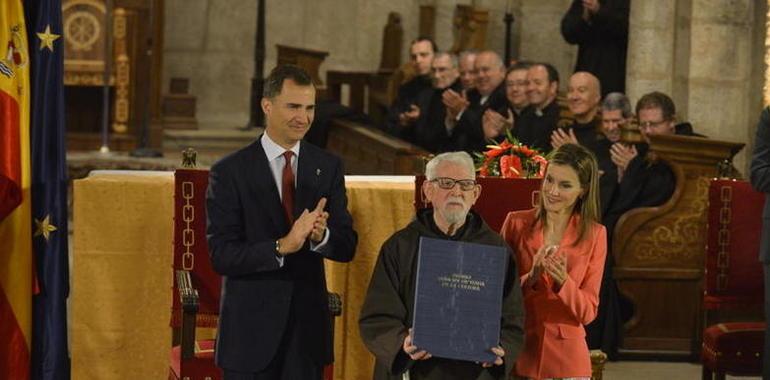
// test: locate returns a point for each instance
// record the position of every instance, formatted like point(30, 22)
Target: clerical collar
point(539, 111)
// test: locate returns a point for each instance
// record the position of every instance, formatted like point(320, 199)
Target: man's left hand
point(500, 353)
point(559, 137)
point(494, 124)
point(319, 226)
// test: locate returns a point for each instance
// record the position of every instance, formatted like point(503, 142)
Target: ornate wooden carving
point(469, 28)
point(84, 54)
point(392, 41)
point(134, 75)
point(659, 251)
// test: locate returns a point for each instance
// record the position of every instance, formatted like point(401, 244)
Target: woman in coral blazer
point(560, 249)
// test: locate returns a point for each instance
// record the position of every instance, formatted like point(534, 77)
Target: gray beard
point(455, 217)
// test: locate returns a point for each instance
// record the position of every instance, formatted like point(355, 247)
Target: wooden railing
point(366, 150)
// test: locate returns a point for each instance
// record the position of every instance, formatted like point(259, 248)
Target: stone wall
point(708, 55)
point(212, 42)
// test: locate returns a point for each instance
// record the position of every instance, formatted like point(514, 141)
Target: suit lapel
point(265, 188)
point(308, 175)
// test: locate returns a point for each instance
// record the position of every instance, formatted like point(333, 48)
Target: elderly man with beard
point(386, 316)
point(465, 111)
point(424, 124)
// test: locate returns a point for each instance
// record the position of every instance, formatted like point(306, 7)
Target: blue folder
point(458, 299)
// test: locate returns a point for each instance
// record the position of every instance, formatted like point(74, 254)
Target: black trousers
point(291, 362)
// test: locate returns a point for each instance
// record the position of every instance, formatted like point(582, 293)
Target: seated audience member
point(644, 181)
point(465, 112)
point(560, 248)
point(468, 71)
point(425, 125)
point(583, 97)
point(536, 124)
point(616, 114)
point(421, 53)
point(495, 124)
point(606, 330)
point(516, 87)
point(386, 316)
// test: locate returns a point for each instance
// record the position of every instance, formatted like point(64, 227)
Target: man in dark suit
point(268, 238)
point(760, 180)
point(466, 111)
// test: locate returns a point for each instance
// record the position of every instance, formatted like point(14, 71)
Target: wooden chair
point(196, 285)
point(733, 279)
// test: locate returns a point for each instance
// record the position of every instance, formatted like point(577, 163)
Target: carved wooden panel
point(659, 251)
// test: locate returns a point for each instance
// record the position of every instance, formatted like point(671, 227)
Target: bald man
point(466, 109)
point(583, 96)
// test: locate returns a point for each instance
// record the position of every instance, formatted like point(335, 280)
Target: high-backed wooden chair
point(733, 279)
point(196, 285)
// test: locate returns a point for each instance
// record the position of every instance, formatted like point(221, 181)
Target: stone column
point(651, 47)
point(720, 73)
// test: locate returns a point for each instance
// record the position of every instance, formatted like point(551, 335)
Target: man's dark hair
point(274, 81)
point(660, 100)
point(553, 75)
point(520, 65)
point(423, 38)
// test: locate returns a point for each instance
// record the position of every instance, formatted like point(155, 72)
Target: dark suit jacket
point(468, 134)
point(760, 178)
point(429, 130)
point(245, 218)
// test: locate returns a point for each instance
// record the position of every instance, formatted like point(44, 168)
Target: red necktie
point(287, 188)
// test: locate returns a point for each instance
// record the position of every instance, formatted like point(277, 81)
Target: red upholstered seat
point(734, 348)
point(733, 279)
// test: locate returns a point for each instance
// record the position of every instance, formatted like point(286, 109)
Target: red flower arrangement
point(510, 159)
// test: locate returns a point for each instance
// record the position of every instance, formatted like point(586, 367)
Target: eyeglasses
point(651, 124)
point(449, 183)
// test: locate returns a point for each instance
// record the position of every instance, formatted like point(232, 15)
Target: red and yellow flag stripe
point(15, 227)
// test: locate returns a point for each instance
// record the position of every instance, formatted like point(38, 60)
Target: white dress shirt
point(275, 158)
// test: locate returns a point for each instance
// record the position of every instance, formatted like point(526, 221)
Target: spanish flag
point(15, 202)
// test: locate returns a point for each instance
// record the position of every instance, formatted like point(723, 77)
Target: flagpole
point(105, 148)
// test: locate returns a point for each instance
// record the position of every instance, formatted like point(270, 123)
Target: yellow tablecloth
point(121, 276)
point(121, 287)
